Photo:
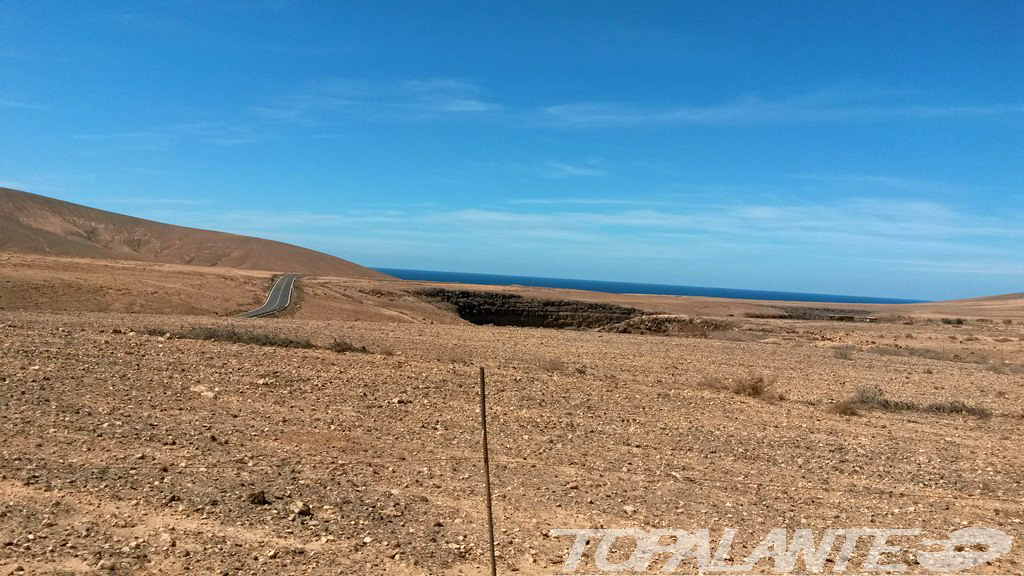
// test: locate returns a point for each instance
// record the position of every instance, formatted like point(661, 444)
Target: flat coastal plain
point(145, 430)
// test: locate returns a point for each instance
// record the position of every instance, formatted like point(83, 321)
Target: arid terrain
point(38, 225)
point(142, 434)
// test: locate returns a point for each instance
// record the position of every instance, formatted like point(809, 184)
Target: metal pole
point(487, 473)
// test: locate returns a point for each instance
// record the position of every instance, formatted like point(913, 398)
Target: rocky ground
point(125, 450)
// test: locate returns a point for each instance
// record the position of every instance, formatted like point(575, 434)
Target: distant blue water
point(632, 288)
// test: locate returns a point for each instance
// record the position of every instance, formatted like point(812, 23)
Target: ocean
point(633, 287)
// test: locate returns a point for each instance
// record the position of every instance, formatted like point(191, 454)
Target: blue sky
point(871, 148)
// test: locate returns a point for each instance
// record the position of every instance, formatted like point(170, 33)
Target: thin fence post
point(487, 472)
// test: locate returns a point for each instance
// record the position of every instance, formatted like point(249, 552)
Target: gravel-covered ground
point(124, 450)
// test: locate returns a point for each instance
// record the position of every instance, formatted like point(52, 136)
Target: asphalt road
point(279, 299)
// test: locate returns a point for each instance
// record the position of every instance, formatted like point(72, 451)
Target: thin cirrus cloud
point(406, 100)
point(162, 137)
point(582, 202)
point(563, 169)
point(833, 105)
point(367, 100)
point(883, 185)
point(592, 168)
point(849, 180)
point(19, 104)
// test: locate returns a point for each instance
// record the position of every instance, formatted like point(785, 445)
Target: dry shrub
point(754, 386)
point(552, 364)
point(958, 407)
point(930, 354)
point(845, 408)
point(1005, 368)
point(456, 357)
point(238, 336)
point(874, 399)
point(886, 351)
point(343, 346)
point(739, 335)
point(709, 381)
point(844, 352)
point(245, 336)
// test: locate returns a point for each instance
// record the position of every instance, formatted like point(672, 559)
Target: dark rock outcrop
point(513, 310)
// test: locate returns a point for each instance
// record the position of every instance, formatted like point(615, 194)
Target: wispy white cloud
point(50, 183)
point(562, 169)
point(127, 18)
point(833, 105)
point(406, 100)
point(151, 201)
point(397, 101)
point(547, 169)
point(846, 181)
point(1003, 267)
point(581, 202)
point(124, 135)
point(328, 136)
point(276, 113)
point(136, 141)
point(151, 21)
point(6, 103)
point(164, 137)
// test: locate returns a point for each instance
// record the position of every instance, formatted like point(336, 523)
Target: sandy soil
point(124, 450)
point(31, 282)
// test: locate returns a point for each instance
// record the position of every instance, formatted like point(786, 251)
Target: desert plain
point(141, 432)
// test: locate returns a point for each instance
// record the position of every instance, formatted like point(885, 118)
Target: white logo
point(672, 551)
point(965, 549)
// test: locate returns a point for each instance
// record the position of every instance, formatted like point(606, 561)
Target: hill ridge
point(35, 224)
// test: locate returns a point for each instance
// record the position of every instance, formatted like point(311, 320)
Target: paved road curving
point(279, 299)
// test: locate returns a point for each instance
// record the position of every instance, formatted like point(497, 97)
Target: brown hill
point(999, 298)
point(1004, 307)
point(35, 224)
